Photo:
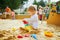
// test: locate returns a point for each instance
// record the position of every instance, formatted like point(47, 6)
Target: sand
point(9, 24)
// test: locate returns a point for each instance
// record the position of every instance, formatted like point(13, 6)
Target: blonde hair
point(31, 8)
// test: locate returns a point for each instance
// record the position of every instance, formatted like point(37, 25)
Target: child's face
point(31, 12)
point(41, 8)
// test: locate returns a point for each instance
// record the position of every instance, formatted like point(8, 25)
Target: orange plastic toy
point(48, 34)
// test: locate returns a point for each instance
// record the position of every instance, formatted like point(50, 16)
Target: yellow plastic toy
point(13, 29)
point(48, 34)
point(28, 28)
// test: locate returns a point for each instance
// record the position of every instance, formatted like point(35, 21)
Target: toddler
point(33, 20)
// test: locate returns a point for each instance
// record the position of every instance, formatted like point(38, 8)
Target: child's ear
point(34, 11)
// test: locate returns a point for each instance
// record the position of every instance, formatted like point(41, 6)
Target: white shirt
point(40, 11)
point(47, 10)
point(33, 20)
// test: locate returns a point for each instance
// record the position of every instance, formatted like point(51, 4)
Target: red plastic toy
point(19, 36)
point(25, 22)
point(26, 35)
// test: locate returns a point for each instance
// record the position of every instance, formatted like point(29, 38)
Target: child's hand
point(25, 22)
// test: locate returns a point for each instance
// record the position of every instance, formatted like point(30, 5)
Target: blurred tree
point(36, 3)
point(13, 4)
point(25, 9)
point(40, 3)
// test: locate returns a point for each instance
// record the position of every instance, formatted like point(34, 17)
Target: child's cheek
point(30, 13)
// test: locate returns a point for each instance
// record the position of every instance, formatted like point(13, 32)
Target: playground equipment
point(54, 17)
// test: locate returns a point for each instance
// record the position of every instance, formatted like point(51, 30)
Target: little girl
point(40, 12)
point(47, 10)
point(33, 20)
point(7, 11)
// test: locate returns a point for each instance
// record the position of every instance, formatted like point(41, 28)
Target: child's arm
point(32, 19)
point(27, 20)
